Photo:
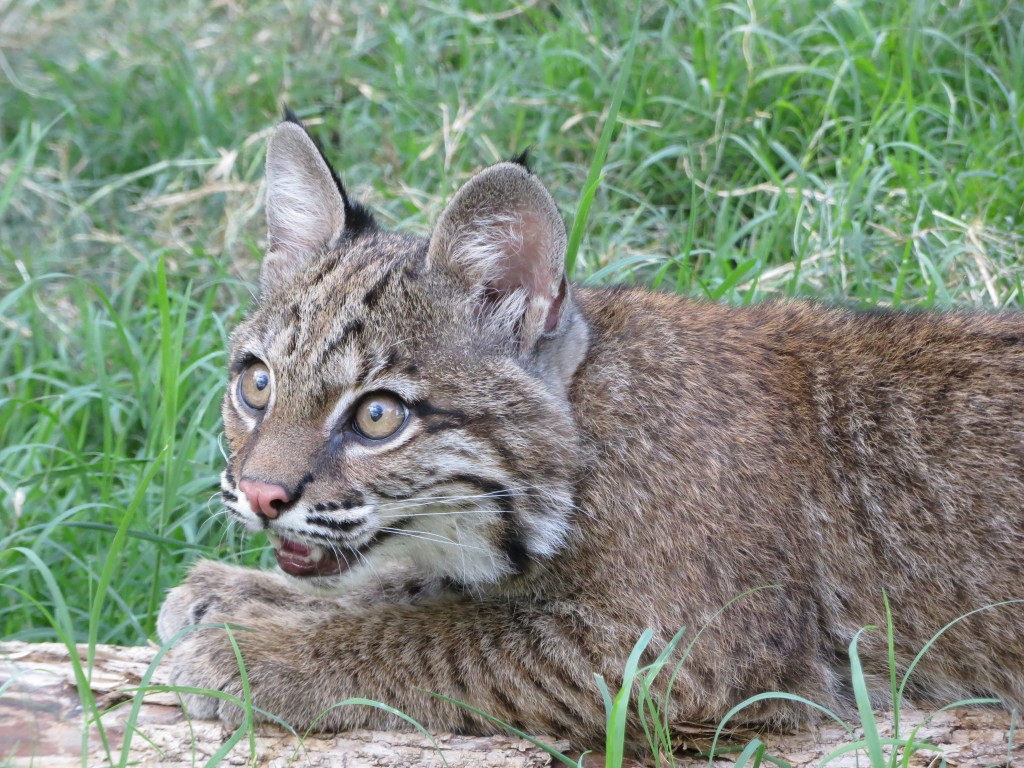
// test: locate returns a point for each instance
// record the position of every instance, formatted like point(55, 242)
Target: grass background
point(863, 151)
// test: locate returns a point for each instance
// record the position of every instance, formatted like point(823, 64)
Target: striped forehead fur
point(328, 307)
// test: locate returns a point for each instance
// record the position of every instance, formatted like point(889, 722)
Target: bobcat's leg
point(527, 665)
point(531, 665)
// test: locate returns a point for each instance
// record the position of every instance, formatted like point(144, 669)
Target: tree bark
point(42, 724)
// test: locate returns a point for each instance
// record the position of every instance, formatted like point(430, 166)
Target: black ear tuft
point(357, 217)
point(523, 159)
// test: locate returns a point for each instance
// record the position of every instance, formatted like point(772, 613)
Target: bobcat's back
point(837, 454)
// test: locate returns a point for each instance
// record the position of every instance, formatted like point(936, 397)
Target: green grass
point(863, 152)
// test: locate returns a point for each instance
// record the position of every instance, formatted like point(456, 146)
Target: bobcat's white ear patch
point(305, 209)
point(503, 236)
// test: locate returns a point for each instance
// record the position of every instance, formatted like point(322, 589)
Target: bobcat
point(482, 481)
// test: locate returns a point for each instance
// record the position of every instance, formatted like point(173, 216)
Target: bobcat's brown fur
point(580, 464)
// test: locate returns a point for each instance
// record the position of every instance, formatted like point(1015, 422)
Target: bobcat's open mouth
point(297, 559)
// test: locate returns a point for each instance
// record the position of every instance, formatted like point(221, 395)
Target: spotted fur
point(578, 465)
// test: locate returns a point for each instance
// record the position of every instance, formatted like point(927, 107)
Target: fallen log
point(42, 723)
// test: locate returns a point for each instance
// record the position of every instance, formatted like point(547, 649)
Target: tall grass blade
point(27, 157)
point(385, 708)
point(616, 737)
point(112, 561)
point(867, 716)
point(753, 751)
point(941, 632)
point(890, 638)
point(246, 693)
point(579, 221)
point(563, 759)
point(65, 631)
point(764, 697)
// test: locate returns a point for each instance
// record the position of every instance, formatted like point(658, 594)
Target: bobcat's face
point(376, 412)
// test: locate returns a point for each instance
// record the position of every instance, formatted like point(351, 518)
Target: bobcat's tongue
point(297, 559)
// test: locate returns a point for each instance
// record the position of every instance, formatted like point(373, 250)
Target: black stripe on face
point(514, 547)
point(349, 500)
point(353, 499)
point(294, 494)
point(351, 328)
point(494, 490)
point(373, 295)
point(334, 524)
point(437, 419)
point(325, 267)
point(424, 409)
point(346, 548)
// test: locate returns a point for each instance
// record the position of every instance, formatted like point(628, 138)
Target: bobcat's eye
point(379, 415)
point(254, 386)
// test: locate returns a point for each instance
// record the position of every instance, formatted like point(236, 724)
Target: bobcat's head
point(393, 398)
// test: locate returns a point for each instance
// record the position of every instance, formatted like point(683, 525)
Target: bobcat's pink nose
point(263, 496)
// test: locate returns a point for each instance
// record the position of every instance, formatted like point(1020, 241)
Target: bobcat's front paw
point(205, 660)
point(204, 657)
point(182, 608)
point(266, 615)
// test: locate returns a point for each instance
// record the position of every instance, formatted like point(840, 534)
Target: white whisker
point(432, 537)
point(452, 499)
point(397, 509)
point(440, 512)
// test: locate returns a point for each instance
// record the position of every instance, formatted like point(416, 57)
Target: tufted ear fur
point(306, 207)
point(503, 237)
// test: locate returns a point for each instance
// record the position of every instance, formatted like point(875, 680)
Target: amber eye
point(379, 415)
point(254, 386)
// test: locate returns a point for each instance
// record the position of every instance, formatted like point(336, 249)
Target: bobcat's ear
point(305, 204)
point(503, 237)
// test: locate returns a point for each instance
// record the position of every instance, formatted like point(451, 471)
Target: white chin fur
point(358, 574)
point(473, 562)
